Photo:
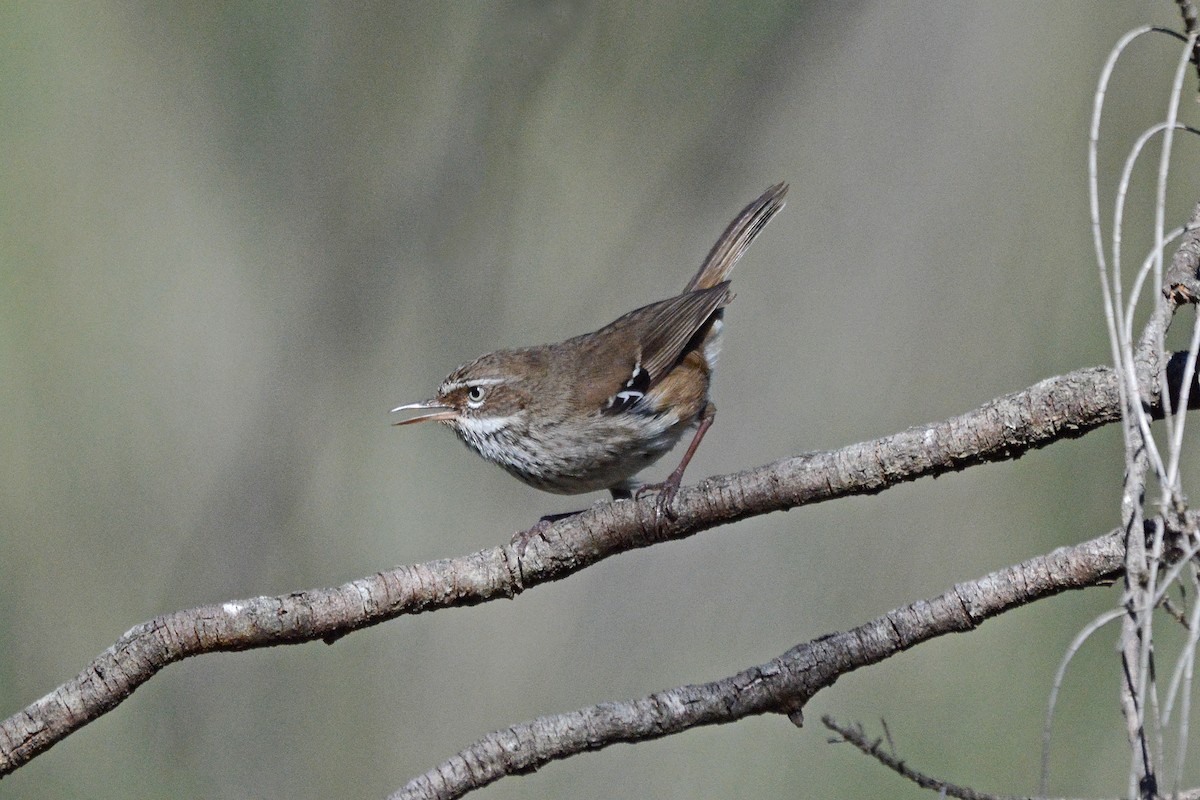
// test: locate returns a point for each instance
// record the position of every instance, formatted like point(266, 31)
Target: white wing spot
point(628, 394)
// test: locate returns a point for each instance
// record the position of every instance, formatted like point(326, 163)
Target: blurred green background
point(234, 235)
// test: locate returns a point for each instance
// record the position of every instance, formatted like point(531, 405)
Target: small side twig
point(857, 737)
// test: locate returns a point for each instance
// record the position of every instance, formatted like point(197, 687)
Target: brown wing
point(625, 359)
point(657, 334)
point(620, 362)
point(736, 239)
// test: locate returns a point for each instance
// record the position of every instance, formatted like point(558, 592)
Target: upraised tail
point(737, 238)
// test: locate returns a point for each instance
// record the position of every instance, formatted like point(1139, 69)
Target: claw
point(666, 496)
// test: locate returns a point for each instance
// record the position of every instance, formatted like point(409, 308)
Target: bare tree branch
point(1187, 10)
point(782, 685)
point(1066, 406)
point(1181, 283)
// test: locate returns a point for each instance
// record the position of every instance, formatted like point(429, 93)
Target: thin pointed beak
point(439, 412)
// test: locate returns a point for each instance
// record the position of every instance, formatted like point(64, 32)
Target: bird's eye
point(475, 396)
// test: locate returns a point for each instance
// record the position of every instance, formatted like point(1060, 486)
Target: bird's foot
point(666, 495)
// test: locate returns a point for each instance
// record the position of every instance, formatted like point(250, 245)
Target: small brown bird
point(593, 411)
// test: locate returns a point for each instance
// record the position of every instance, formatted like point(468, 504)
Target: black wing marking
point(632, 391)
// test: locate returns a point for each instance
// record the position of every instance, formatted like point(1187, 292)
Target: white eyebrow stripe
point(450, 387)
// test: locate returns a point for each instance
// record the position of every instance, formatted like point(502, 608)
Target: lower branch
point(782, 685)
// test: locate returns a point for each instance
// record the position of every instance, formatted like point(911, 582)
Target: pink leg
point(668, 488)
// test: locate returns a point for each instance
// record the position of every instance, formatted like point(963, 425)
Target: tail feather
point(737, 238)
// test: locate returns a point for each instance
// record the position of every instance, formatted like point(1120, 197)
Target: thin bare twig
point(1143, 369)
